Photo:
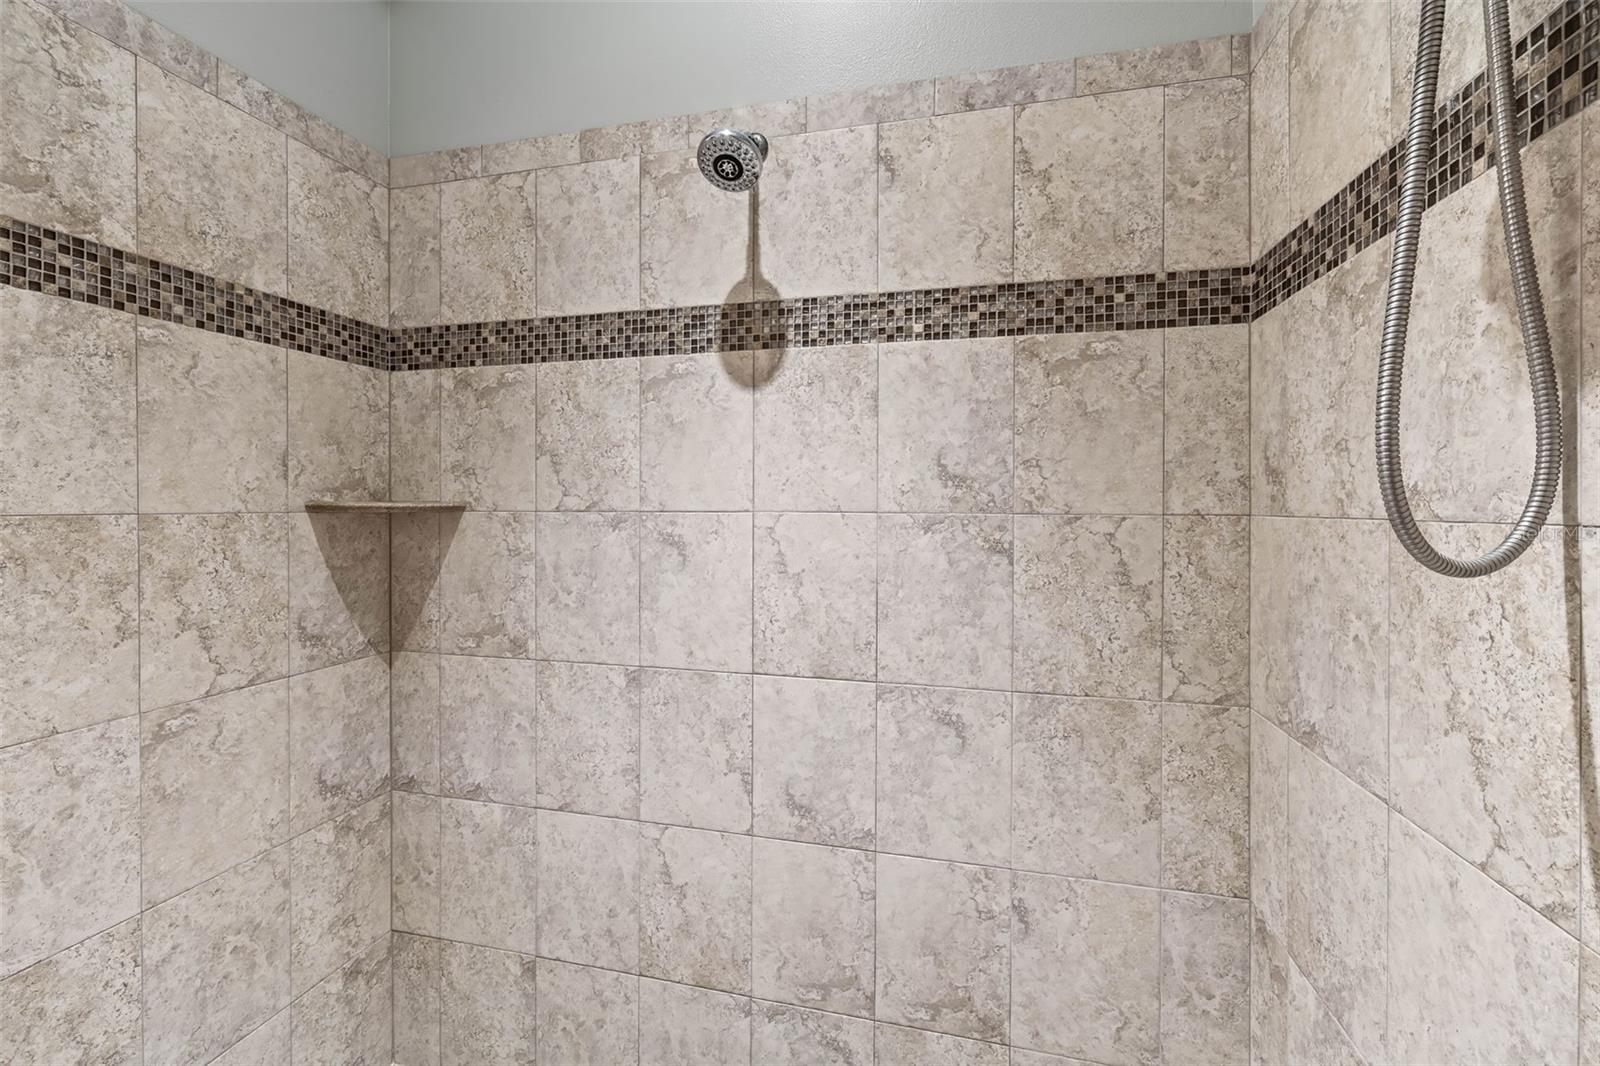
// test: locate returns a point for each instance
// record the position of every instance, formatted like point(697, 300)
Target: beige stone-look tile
point(1484, 708)
point(1457, 946)
point(1086, 788)
point(1093, 945)
point(586, 434)
point(488, 1006)
point(1319, 639)
point(694, 239)
point(340, 883)
point(589, 895)
point(416, 592)
point(942, 941)
point(1205, 799)
point(276, 110)
point(814, 760)
point(1241, 53)
point(1461, 55)
point(216, 961)
point(76, 362)
point(588, 587)
point(338, 430)
point(944, 200)
point(694, 907)
point(69, 839)
point(530, 153)
point(812, 923)
point(678, 1023)
point(1269, 891)
point(417, 963)
point(816, 428)
point(1313, 1034)
point(587, 738)
point(944, 773)
point(338, 739)
point(898, 1045)
point(449, 164)
point(1588, 1007)
point(695, 590)
point(945, 600)
point(816, 594)
point(212, 184)
point(983, 89)
point(1089, 423)
point(338, 588)
point(212, 432)
point(490, 858)
point(877, 104)
point(488, 576)
point(67, 147)
point(213, 604)
point(1089, 185)
point(775, 119)
point(1205, 978)
point(1339, 89)
point(79, 1005)
point(588, 237)
point(1207, 420)
point(414, 721)
point(487, 429)
point(1467, 414)
point(1272, 207)
point(1338, 883)
point(781, 1035)
point(415, 271)
point(415, 856)
point(814, 217)
point(69, 624)
point(1207, 174)
point(1161, 64)
point(487, 249)
point(697, 421)
point(945, 426)
point(586, 1015)
point(694, 749)
point(415, 431)
point(338, 237)
point(1205, 638)
point(645, 137)
point(486, 729)
point(215, 786)
point(143, 36)
point(1088, 605)
point(349, 1016)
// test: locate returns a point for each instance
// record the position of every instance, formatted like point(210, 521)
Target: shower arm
point(1525, 283)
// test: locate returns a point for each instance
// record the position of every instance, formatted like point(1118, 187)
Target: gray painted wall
point(420, 75)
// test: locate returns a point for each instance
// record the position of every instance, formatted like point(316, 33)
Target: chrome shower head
point(732, 159)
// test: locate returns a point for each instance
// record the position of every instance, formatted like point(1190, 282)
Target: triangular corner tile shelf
point(384, 506)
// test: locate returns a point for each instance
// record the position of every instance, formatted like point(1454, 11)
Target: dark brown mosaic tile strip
point(44, 260)
point(1556, 66)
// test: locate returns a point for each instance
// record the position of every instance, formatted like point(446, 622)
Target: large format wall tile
point(418, 1021)
point(816, 594)
point(587, 435)
point(812, 924)
point(944, 201)
point(982, 89)
point(696, 426)
point(678, 1023)
point(587, 737)
point(414, 721)
point(487, 1002)
point(588, 587)
point(215, 786)
point(75, 361)
point(1089, 423)
point(1206, 168)
point(1088, 185)
point(415, 447)
point(487, 417)
point(213, 604)
point(1205, 640)
point(415, 854)
point(1339, 89)
point(69, 839)
point(588, 237)
point(900, 1045)
point(490, 857)
point(348, 1017)
point(816, 428)
point(1205, 978)
point(586, 1015)
point(212, 432)
point(1207, 424)
point(67, 145)
point(881, 103)
point(815, 231)
point(338, 739)
point(694, 239)
point(944, 426)
point(212, 184)
point(694, 749)
point(1272, 208)
point(694, 907)
point(340, 882)
point(1269, 891)
point(486, 729)
point(69, 628)
point(488, 575)
point(1205, 799)
point(814, 760)
point(487, 248)
point(415, 282)
point(695, 590)
point(338, 237)
point(944, 773)
point(338, 588)
point(589, 881)
point(792, 1036)
point(1208, 57)
point(338, 430)
point(216, 961)
point(80, 1005)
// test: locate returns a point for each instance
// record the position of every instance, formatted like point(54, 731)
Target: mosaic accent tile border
point(44, 260)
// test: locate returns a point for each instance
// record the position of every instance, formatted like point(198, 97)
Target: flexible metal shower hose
point(1524, 281)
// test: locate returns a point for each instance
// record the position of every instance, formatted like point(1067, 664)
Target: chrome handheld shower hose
point(1524, 282)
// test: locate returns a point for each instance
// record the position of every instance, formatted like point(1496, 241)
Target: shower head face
point(732, 159)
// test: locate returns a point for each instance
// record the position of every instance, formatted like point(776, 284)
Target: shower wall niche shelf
point(384, 506)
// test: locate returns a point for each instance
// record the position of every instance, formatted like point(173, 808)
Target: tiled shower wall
point(194, 743)
point(1421, 827)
